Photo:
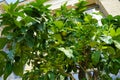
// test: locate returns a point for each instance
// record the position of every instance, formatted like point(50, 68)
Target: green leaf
point(6, 7)
point(29, 40)
point(18, 68)
point(3, 57)
point(58, 37)
point(2, 65)
point(114, 66)
point(81, 6)
point(109, 17)
point(59, 24)
point(118, 31)
point(105, 77)
point(68, 52)
point(117, 44)
point(116, 41)
point(93, 43)
point(112, 32)
point(10, 55)
point(17, 23)
point(95, 57)
point(13, 5)
point(44, 36)
point(6, 30)
point(40, 1)
point(3, 42)
point(10, 36)
point(106, 39)
point(51, 76)
point(8, 70)
point(88, 18)
point(3, 54)
point(111, 50)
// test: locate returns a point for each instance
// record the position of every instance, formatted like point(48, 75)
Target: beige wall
point(109, 7)
point(91, 1)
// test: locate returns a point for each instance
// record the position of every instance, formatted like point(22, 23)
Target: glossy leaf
point(106, 39)
point(68, 52)
point(116, 40)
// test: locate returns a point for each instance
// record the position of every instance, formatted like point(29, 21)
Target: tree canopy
point(58, 43)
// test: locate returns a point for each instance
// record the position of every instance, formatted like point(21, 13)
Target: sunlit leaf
point(116, 40)
point(59, 24)
point(6, 7)
point(58, 37)
point(112, 32)
point(117, 44)
point(118, 32)
point(67, 51)
point(106, 39)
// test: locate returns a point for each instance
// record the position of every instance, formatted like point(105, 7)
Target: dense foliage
point(58, 43)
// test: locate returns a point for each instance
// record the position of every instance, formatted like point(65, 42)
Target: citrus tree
point(58, 43)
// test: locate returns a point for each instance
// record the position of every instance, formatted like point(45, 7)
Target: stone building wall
point(111, 7)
